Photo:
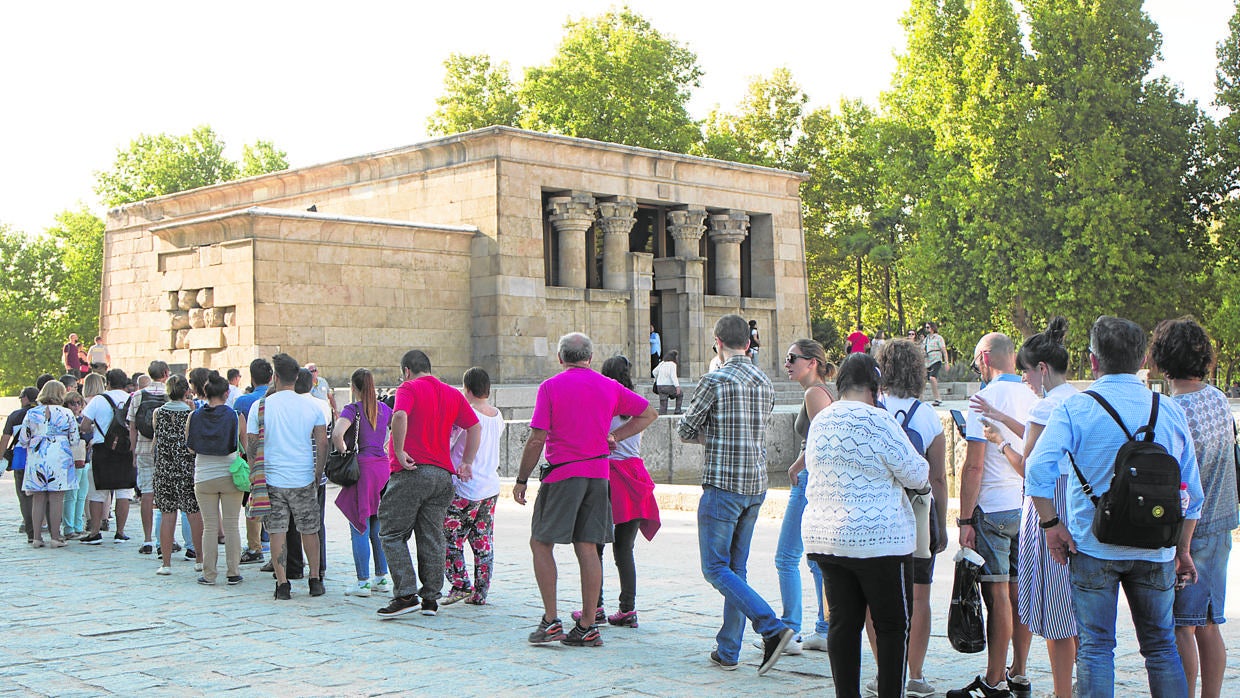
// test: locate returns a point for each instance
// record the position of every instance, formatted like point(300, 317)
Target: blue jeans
point(1150, 590)
point(363, 542)
point(186, 534)
point(788, 554)
point(725, 529)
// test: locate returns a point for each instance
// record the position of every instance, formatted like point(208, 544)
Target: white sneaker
point(815, 642)
point(197, 566)
point(359, 589)
point(919, 688)
point(871, 688)
point(164, 571)
point(792, 648)
point(381, 585)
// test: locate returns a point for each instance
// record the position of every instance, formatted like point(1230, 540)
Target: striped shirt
point(731, 408)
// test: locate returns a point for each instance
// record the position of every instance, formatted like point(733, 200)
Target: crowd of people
point(867, 506)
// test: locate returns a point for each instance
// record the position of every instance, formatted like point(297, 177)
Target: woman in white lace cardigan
point(858, 526)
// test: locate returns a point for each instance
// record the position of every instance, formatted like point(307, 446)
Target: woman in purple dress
point(365, 420)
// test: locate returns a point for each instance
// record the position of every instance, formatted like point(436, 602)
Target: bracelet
point(965, 522)
point(1049, 524)
point(1003, 446)
point(522, 480)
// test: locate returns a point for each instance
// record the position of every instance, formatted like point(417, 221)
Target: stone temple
point(480, 248)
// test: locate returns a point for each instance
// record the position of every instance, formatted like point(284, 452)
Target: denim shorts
point(1202, 603)
point(998, 534)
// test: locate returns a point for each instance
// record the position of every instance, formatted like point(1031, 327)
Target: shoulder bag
point(343, 468)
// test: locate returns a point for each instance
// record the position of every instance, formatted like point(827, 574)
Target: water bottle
point(1183, 499)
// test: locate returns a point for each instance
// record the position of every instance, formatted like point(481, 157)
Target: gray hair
point(575, 347)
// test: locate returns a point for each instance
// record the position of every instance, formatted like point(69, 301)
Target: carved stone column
point(727, 232)
point(572, 216)
point(616, 219)
point(686, 229)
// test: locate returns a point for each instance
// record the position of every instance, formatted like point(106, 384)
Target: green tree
point(261, 158)
point(78, 236)
point(1222, 312)
point(476, 93)
point(615, 78)
point(32, 312)
point(765, 127)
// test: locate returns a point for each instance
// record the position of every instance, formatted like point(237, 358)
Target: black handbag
point(343, 468)
point(113, 470)
point(966, 627)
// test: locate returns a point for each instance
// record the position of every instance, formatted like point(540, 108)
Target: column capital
point(686, 228)
point(617, 217)
point(730, 226)
point(574, 211)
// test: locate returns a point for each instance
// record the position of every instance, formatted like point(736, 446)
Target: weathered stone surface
point(187, 299)
point(180, 320)
point(214, 317)
point(197, 318)
point(182, 339)
point(206, 298)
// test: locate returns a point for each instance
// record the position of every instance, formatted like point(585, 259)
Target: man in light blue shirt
point(1080, 426)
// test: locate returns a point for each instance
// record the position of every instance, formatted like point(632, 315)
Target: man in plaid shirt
point(728, 414)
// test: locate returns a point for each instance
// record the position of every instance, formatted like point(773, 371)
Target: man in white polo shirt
point(991, 496)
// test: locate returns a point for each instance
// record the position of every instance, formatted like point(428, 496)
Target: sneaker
point(93, 539)
point(269, 567)
point(794, 646)
point(773, 648)
point(176, 547)
point(249, 557)
point(189, 553)
point(600, 616)
point(163, 571)
point(548, 631)
point(936, 403)
point(871, 688)
point(208, 583)
point(284, 591)
point(457, 595)
point(146, 549)
point(815, 642)
point(583, 637)
point(979, 689)
point(120, 537)
point(104, 526)
point(1019, 686)
point(235, 580)
point(197, 566)
point(476, 600)
point(919, 688)
point(316, 587)
point(360, 589)
point(400, 606)
point(430, 607)
point(623, 619)
point(382, 585)
point(726, 666)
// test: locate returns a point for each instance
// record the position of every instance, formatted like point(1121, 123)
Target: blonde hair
point(53, 393)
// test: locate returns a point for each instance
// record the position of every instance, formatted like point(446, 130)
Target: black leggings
point(626, 567)
point(884, 585)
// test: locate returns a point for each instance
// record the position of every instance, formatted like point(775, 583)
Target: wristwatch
point(965, 522)
point(522, 480)
point(1049, 524)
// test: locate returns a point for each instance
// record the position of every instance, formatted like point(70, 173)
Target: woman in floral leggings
point(471, 515)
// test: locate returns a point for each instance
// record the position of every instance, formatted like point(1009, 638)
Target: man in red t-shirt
point(572, 419)
point(419, 491)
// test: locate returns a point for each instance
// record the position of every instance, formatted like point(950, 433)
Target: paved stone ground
point(97, 620)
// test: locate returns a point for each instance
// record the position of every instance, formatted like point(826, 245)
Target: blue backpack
point(913, 436)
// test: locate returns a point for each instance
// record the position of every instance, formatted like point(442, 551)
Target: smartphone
point(958, 418)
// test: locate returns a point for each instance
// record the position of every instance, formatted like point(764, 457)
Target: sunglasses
point(974, 367)
point(792, 358)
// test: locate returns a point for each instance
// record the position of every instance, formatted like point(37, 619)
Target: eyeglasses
point(974, 367)
point(792, 358)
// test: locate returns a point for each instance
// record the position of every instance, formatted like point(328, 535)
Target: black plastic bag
point(966, 628)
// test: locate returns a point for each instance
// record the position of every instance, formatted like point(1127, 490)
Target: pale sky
point(329, 80)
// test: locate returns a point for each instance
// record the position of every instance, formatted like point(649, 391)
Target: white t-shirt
point(1041, 411)
point(484, 481)
point(1002, 487)
point(234, 392)
point(665, 374)
point(630, 447)
point(925, 420)
point(100, 412)
point(289, 420)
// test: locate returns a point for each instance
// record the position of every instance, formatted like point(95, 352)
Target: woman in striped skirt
point(1044, 589)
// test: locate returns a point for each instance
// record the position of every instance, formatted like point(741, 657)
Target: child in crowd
point(471, 515)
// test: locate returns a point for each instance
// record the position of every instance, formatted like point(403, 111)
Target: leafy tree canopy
point(476, 93)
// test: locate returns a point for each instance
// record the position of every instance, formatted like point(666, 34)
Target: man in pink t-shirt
point(419, 491)
point(858, 341)
point(572, 419)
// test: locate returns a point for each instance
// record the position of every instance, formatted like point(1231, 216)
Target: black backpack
point(116, 438)
point(914, 437)
point(144, 416)
point(1142, 507)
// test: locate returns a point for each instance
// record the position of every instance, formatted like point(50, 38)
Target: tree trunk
point(887, 294)
point(858, 290)
point(1020, 318)
point(899, 308)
